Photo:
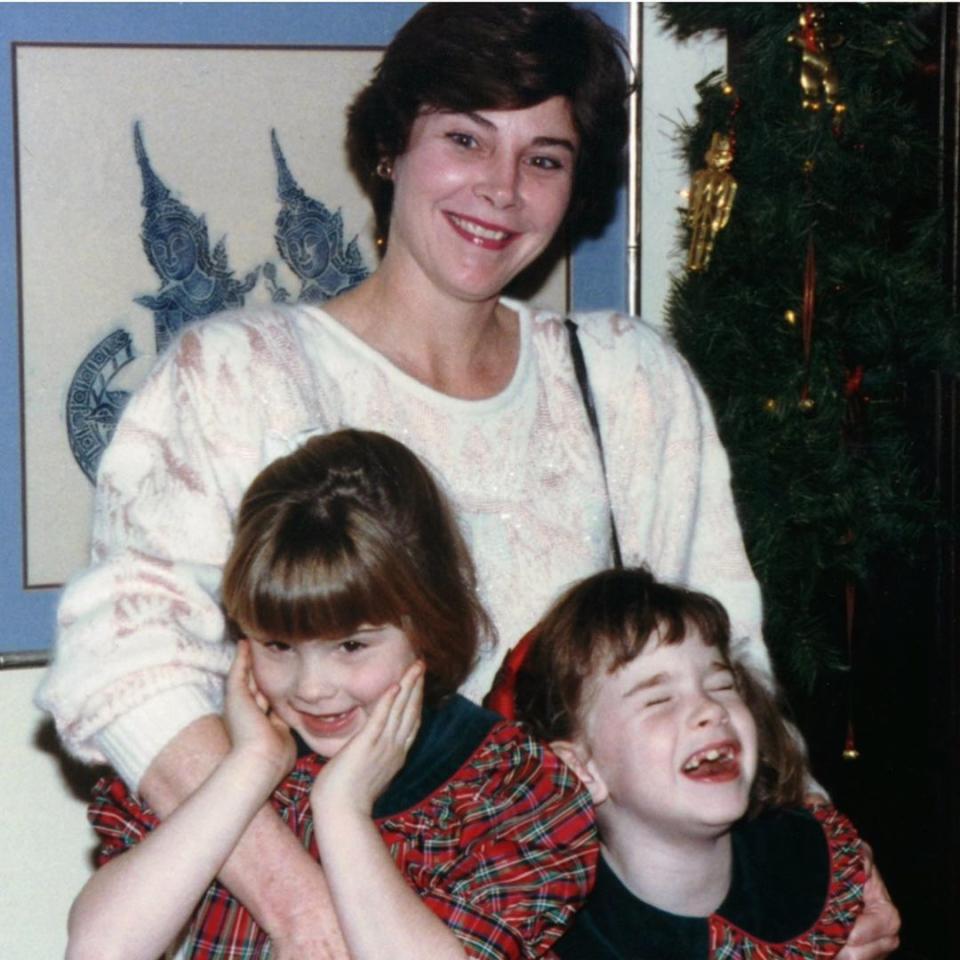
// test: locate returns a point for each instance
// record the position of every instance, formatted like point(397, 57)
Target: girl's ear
point(577, 757)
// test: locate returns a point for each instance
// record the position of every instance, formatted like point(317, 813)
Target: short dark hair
point(464, 57)
point(351, 528)
point(607, 620)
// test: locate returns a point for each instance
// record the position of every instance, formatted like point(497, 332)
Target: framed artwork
point(163, 162)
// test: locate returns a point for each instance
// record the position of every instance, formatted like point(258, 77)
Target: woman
point(486, 128)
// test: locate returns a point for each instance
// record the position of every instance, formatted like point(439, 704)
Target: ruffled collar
point(448, 735)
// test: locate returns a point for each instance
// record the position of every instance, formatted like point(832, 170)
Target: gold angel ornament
point(818, 76)
point(712, 191)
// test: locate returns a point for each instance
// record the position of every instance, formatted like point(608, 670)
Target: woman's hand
point(354, 778)
point(254, 729)
point(875, 932)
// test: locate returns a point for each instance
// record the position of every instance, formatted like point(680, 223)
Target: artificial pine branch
point(822, 492)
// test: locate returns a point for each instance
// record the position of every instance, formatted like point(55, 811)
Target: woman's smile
point(480, 233)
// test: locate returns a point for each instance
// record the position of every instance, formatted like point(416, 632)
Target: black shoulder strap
point(583, 381)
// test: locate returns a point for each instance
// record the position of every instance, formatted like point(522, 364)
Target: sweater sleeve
point(669, 475)
point(140, 650)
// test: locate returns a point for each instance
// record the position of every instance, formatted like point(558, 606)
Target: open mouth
point(481, 234)
point(328, 724)
point(716, 762)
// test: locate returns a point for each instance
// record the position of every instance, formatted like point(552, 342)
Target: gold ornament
point(807, 404)
point(712, 191)
point(791, 317)
point(770, 405)
point(727, 90)
point(818, 76)
point(851, 753)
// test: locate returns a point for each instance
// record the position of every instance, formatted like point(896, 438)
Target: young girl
point(708, 848)
point(441, 831)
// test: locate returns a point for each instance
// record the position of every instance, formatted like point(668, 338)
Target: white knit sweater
point(140, 652)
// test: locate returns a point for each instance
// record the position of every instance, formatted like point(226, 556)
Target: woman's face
point(478, 196)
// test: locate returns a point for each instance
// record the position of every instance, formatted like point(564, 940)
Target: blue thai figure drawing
point(194, 281)
point(310, 240)
point(92, 407)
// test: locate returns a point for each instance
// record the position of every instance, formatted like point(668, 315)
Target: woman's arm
point(138, 670)
point(667, 472)
point(135, 906)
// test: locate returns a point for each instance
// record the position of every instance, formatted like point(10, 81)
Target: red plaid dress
point(843, 901)
point(796, 890)
point(504, 850)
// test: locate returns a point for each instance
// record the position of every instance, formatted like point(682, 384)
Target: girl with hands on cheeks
point(440, 829)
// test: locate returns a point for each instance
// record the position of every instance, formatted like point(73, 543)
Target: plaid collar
point(784, 863)
point(448, 735)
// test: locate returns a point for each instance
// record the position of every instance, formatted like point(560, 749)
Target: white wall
point(670, 71)
point(45, 843)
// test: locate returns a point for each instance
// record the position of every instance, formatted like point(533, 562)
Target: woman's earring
point(384, 169)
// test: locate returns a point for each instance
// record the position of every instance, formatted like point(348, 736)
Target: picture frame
point(91, 44)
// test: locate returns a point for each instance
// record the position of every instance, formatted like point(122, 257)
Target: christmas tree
point(812, 300)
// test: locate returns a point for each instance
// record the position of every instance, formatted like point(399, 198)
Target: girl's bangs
point(297, 601)
point(664, 615)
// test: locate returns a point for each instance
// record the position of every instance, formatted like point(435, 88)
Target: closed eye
point(722, 683)
point(656, 701)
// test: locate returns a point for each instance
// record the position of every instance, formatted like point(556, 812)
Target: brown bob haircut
point(604, 622)
point(352, 529)
point(464, 57)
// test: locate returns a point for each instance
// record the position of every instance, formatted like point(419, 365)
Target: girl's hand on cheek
point(354, 778)
point(254, 729)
